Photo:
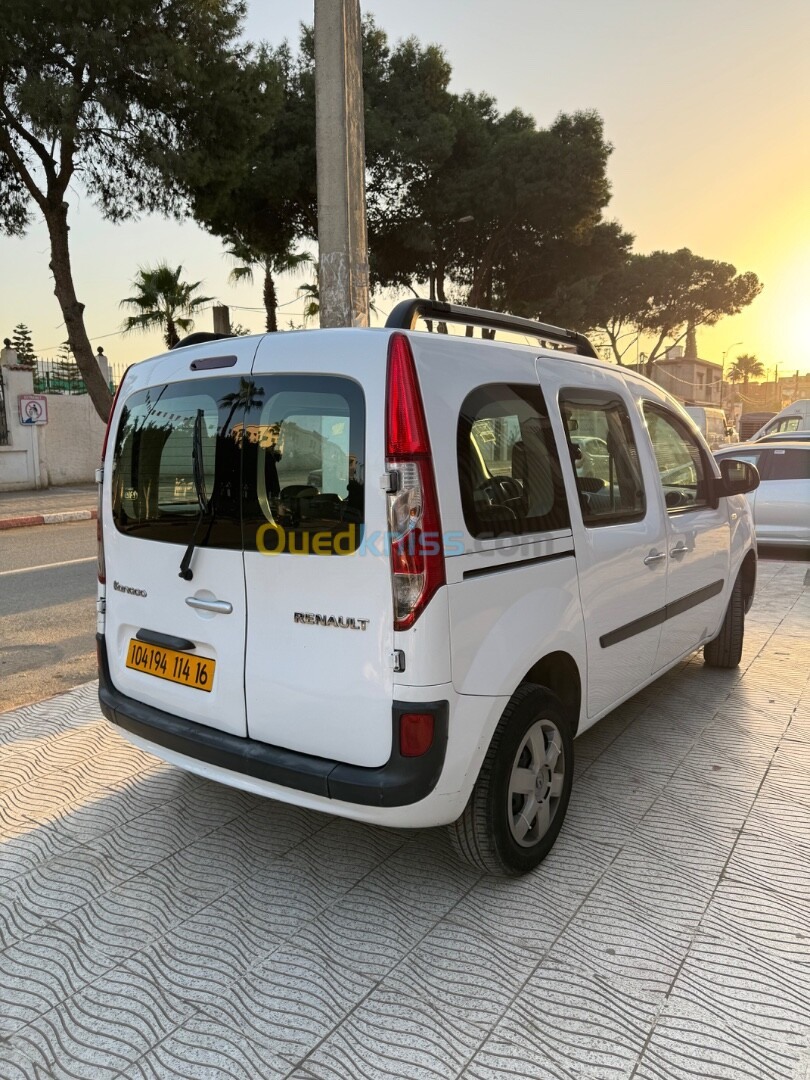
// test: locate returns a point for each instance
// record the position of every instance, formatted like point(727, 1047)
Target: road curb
point(47, 519)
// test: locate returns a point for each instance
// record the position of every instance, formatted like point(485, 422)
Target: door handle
point(221, 607)
point(679, 549)
point(654, 556)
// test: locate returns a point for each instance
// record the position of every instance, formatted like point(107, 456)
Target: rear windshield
point(281, 469)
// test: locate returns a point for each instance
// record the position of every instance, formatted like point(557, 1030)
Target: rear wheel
point(519, 801)
point(725, 651)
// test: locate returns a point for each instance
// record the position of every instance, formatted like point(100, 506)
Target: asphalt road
point(47, 611)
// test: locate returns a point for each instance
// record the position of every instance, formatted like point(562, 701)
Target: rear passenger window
point(790, 465)
point(604, 455)
point(509, 471)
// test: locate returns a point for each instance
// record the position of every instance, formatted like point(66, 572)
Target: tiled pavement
point(154, 925)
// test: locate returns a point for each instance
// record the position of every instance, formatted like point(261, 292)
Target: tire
point(725, 651)
point(488, 834)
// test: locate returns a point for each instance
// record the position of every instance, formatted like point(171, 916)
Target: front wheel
point(725, 651)
point(518, 804)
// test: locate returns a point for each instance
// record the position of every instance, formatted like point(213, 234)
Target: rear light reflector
point(417, 555)
point(415, 734)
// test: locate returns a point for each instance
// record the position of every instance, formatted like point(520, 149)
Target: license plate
point(177, 667)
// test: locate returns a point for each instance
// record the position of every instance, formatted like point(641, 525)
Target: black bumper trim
point(400, 782)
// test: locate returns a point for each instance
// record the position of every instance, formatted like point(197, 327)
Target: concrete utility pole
point(341, 159)
point(222, 319)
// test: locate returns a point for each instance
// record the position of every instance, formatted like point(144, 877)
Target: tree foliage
point(658, 296)
point(162, 300)
point(264, 204)
point(466, 199)
point(113, 93)
point(22, 343)
point(746, 367)
point(249, 258)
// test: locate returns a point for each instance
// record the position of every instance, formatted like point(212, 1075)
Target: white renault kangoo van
point(391, 574)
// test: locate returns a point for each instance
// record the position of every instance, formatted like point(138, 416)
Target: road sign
point(33, 409)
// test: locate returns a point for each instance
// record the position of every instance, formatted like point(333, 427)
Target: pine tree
point(65, 373)
point(21, 341)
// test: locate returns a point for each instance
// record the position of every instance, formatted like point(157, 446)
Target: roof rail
point(197, 338)
point(405, 314)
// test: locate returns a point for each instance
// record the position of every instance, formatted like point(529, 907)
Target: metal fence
point(62, 377)
point(3, 418)
point(58, 377)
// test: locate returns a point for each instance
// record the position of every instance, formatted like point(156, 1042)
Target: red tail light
point(415, 734)
point(417, 555)
point(102, 570)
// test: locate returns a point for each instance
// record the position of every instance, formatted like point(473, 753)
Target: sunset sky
point(707, 103)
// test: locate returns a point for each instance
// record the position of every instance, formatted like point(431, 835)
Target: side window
point(790, 424)
point(790, 465)
point(509, 472)
point(681, 466)
point(605, 458)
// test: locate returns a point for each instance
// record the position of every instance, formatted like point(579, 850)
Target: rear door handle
point(221, 607)
point(654, 556)
point(679, 549)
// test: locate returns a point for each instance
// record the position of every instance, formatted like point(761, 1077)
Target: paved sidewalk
point(155, 925)
point(50, 506)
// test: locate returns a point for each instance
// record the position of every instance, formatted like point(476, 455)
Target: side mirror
point(738, 477)
point(730, 431)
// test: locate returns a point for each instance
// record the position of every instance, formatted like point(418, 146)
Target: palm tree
point(162, 301)
point(312, 299)
point(248, 396)
point(746, 367)
point(249, 258)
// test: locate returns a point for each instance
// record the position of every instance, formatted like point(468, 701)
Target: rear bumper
point(400, 782)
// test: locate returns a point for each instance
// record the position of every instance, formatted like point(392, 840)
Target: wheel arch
point(748, 574)
point(558, 672)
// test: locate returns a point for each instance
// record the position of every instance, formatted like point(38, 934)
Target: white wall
point(70, 443)
point(18, 460)
point(66, 450)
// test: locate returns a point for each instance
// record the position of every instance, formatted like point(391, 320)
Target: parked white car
point(388, 592)
point(781, 504)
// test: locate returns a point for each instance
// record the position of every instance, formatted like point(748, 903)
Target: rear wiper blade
point(205, 504)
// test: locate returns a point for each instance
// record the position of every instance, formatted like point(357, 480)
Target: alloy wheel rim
point(536, 783)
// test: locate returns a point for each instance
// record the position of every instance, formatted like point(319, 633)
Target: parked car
point(794, 417)
point(781, 504)
point(423, 649)
point(713, 425)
